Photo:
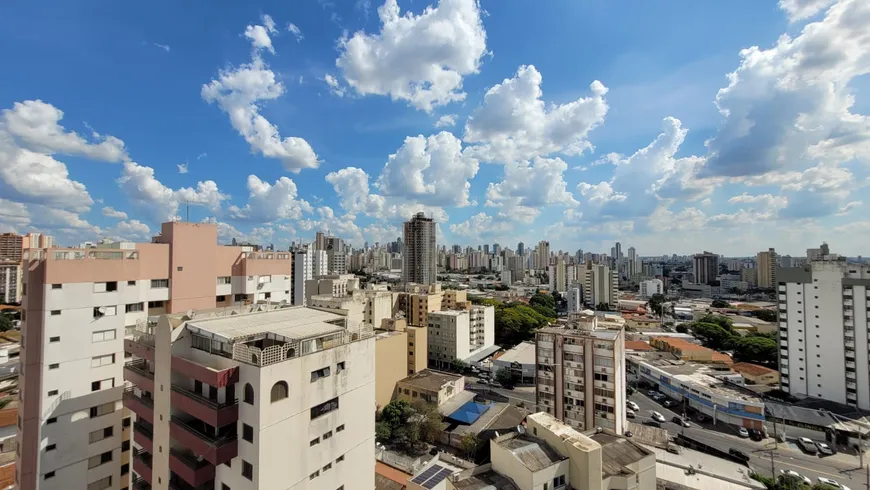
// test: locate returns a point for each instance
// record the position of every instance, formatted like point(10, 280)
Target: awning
point(482, 354)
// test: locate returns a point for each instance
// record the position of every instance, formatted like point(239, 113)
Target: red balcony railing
point(190, 469)
point(142, 406)
point(137, 373)
point(196, 437)
point(143, 436)
point(142, 464)
point(191, 369)
point(213, 413)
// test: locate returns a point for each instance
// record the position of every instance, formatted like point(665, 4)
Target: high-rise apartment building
point(418, 264)
point(581, 373)
point(542, 258)
point(303, 270)
point(705, 267)
point(600, 286)
point(11, 246)
point(823, 335)
point(459, 334)
point(336, 255)
point(521, 248)
point(766, 265)
point(651, 287)
point(252, 398)
point(575, 300)
point(71, 381)
point(10, 281)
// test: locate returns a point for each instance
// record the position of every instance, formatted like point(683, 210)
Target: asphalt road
point(516, 396)
point(786, 457)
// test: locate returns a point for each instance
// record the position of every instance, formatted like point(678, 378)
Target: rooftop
point(428, 380)
point(295, 323)
point(637, 345)
point(752, 369)
point(567, 433)
point(617, 453)
point(487, 480)
point(532, 452)
point(523, 353)
point(579, 332)
point(700, 375)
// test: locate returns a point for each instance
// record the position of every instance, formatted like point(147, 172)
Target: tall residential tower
point(419, 259)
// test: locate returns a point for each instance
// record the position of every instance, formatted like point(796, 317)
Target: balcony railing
point(141, 344)
point(212, 412)
point(139, 483)
point(137, 373)
point(142, 465)
point(139, 404)
point(189, 468)
point(194, 435)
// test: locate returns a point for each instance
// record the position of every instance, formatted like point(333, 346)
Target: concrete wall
point(391, 362)
point(505, 463)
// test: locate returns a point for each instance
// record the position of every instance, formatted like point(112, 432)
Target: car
point(679, 421)
point(633, 406)
point(483, 376)
point(652, 393)
point(701, 418)
point(657, 417)
point(652, 423)
point(739, 455)
point(756, 435)
point(482, 381)
point(629, 413)
point(495, 384)
point(795, 474)
point(742, 432)
point(673, 448)
point(828, 481)
point(807, 445)
point(669, 403)
point(824, 449)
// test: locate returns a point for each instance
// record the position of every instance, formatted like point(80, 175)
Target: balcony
point(139, 404)
point(848, 322)
point(139, 483)
point(143, 435)
point(209, 411)
point(850, 375)
point(137, 373)
point(848, 302)
point(193, 471)
point(142, 346)
point(196, 436)
point(850, 344)
point(850, 364)
point(142, 464)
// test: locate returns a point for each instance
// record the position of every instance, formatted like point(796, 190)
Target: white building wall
point(302, 271)
point(575, 300)
point(651, 287)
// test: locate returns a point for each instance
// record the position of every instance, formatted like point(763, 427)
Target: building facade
point(823, 331)
point(651, 287)
point(10, 282)
point(72, 384)
point(459, 334)
point(581, 374)
point(705, 267)
point(303, 270)
point(600, 286)
point(766, 265)
point(420, 255)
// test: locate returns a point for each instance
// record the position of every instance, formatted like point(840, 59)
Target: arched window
point(249, 394)
point(280, 391)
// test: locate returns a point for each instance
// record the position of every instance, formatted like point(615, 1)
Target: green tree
point(544, 300)
point(756, 349)
point(470, 444)
point(766, 315)
point(383, 431)
point(459, 365)
point(5, 323)
point(713, 335)
point(656, 302)
point(720, 303)
point(682, 328)
point(505, 378)
point(722, 321)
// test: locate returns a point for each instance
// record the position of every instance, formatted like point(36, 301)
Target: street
point(521, 395)
point(786, 457)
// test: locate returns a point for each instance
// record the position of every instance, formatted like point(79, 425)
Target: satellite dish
point(102, 310)
point(189, 313)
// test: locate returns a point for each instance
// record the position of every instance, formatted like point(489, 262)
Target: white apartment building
point(460, 334)
point(600, 285)
point(581, 373)
point(303, 270)
point(319, 262)
point(76, 306)
point(10, 282)
point(332, 285)
point(575, 300)
point(823, 331)
point(259, 400)
point(651, 287)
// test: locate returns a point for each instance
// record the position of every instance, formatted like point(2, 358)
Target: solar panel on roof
point(429, 473)
point(441, 475)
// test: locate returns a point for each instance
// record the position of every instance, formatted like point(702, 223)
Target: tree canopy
point(408, 426)
point(717, 332)
point(720, 303)
point(5, 323)
point(656, 303)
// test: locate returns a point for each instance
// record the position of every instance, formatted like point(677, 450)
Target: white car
point(629, 413)
point(742, 432)
point(833, 483)
point(658, 417)
point(630, 404)
point(797, 475)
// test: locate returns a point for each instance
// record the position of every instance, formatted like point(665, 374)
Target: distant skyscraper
point(521, 248)
point(618, 249)
point(765, 264)
point(486, 248)
point(419, 259)
point(495, 248)
point(706, 267)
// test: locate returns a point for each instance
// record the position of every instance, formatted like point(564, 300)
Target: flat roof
point(523, 353)
point(617, 453)
point(482, 354)
point(488, 480)
point(533, 453)
point(429, 380)
point(579, 332)
point(698, 374)
point(294, 323)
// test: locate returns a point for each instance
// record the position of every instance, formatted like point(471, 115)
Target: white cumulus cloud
point(111, 212)
point(271, 202)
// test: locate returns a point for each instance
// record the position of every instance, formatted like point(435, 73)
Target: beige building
point(460, 335)
point(765, 265)
point(581, 373)
point(430, 386)
point(418, 348)
point(391, 362)
point(454, 299)
point(755, 374)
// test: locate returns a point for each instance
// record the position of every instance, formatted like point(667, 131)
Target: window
point(159, 283)
point(101, 484)
point(327, 467)
point(224, 280)
point(52, 420)
point(249, 394)
point(324, 408)
point(125, 469)
point(125, 446)
point(339, 428)
point(220, 299)
point(339, 459)
point(280, 391)
point(55, 312)
point(314, 475)
point(156, 304)
point(52, 393)
point(339, 367)
point(180, 268)
point(314, 442)
point(48, 475)
point(100, 434)
point(559, 481)
point(103, 384)
point(53, 366)
point(54, 339)
point(50, 447)
point(56, 286)
point(601, 377)
point(99, 459)
point(131, 283)
point(101, 311)
point(248, 433)
point(267, 295)
point(111, 286)
point(327, 435)
point(247, 470)
point(134, 307)
point(239, 297)
point(102, 335)
point(100, 410)
point(320, 373)
point(126, 422)
point(106, 360)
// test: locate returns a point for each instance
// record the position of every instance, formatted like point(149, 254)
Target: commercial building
point(688, 351)
point(419, 257)
point(460, 335)
point(755, 374)
point(72, 381)
point(10, 281)
point(600, 286)
point(520, 361)
point(766, 265)
point(581, 373)
point(705, 267)
point(651, 287)
point(823, 331)
point(707, 388)
point(252, 398)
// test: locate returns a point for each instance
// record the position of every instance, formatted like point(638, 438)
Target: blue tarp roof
point(469, 413)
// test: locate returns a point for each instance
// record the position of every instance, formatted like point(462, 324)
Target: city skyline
point(655, 152)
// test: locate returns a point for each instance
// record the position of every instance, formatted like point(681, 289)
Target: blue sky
point(670, 126)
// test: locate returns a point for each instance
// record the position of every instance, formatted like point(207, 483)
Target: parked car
point(657, 417)
point(701, 418)
point(807, 445)
point(652, 423)
point(629, 413)
point(679, 421)
point(795, 474)
point(756, 435)
point(669, 403)
point(482, 381)
point(739, 455)
point(495, 384)
point(652, 393)
point(742, 432)
point(633, 406)
point(673, 448)
point(828, 481)
point(824, 449)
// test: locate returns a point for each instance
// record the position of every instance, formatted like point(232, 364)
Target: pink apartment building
point(74, 431)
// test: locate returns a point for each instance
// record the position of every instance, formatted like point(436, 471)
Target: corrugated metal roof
point(533, 453)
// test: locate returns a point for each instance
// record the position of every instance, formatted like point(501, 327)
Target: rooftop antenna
point(187, 204)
